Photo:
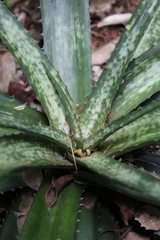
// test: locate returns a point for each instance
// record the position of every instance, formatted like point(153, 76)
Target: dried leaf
point(99, 6)
point(135, 236)
point(126, 208)
point(20, 107)
point(115, 19)
point(55, 187)
point(149, 217)
point(61, 182)
point(89, 200)
point(27, 199)
point(7, 70)
point(15, 87)
point(51, 195)
point(102, 54)
point(97, 71)
point(33, 178)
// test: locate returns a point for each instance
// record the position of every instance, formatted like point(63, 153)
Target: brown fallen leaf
point(55, 187)
point(15, 87)
point(51, 195)
point(33, 178)
point(126, 208)
point(114, 19)
point(135, 236)
point(149, 217)
point(102, 54)
point(100, 6)
point(89, 200)
point(97, 71)
point(7, 70)
point(27, 199)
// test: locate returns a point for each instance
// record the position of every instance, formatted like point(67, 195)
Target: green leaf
point(67, 43)
point(9, 229)
point(9, 106)
point(141, 81)
point(30, 121)
point(4, 131)
point(135, 14)
point(63, 216)
point(8, 5)
point(149, 161)
point(141, 132)
point(32, 60)
point(97, 138)
point(120, 177)
point(70, 109)
point(22, 152)
point(151, 36)
point(105, 224)
point(12, 181)
point(99, 102)
point(86, 231)
point(60, 224)
point(99, 223)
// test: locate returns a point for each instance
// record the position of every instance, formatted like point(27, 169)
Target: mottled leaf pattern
point(99, 102)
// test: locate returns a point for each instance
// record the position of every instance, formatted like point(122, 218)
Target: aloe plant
point(79, 132)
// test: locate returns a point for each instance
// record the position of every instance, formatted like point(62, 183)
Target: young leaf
point(67, 43)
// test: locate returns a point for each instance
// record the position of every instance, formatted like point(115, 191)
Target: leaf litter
point(26, 202)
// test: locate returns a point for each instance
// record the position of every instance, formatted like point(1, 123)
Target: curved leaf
point(12, 181)
point(120, 177)
point(18, 122)
point(141, 132)
point(4, 131)
point(12, 107)
point(22, 152)
point(149, 161)
point(8, 106)
point(113, 126)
